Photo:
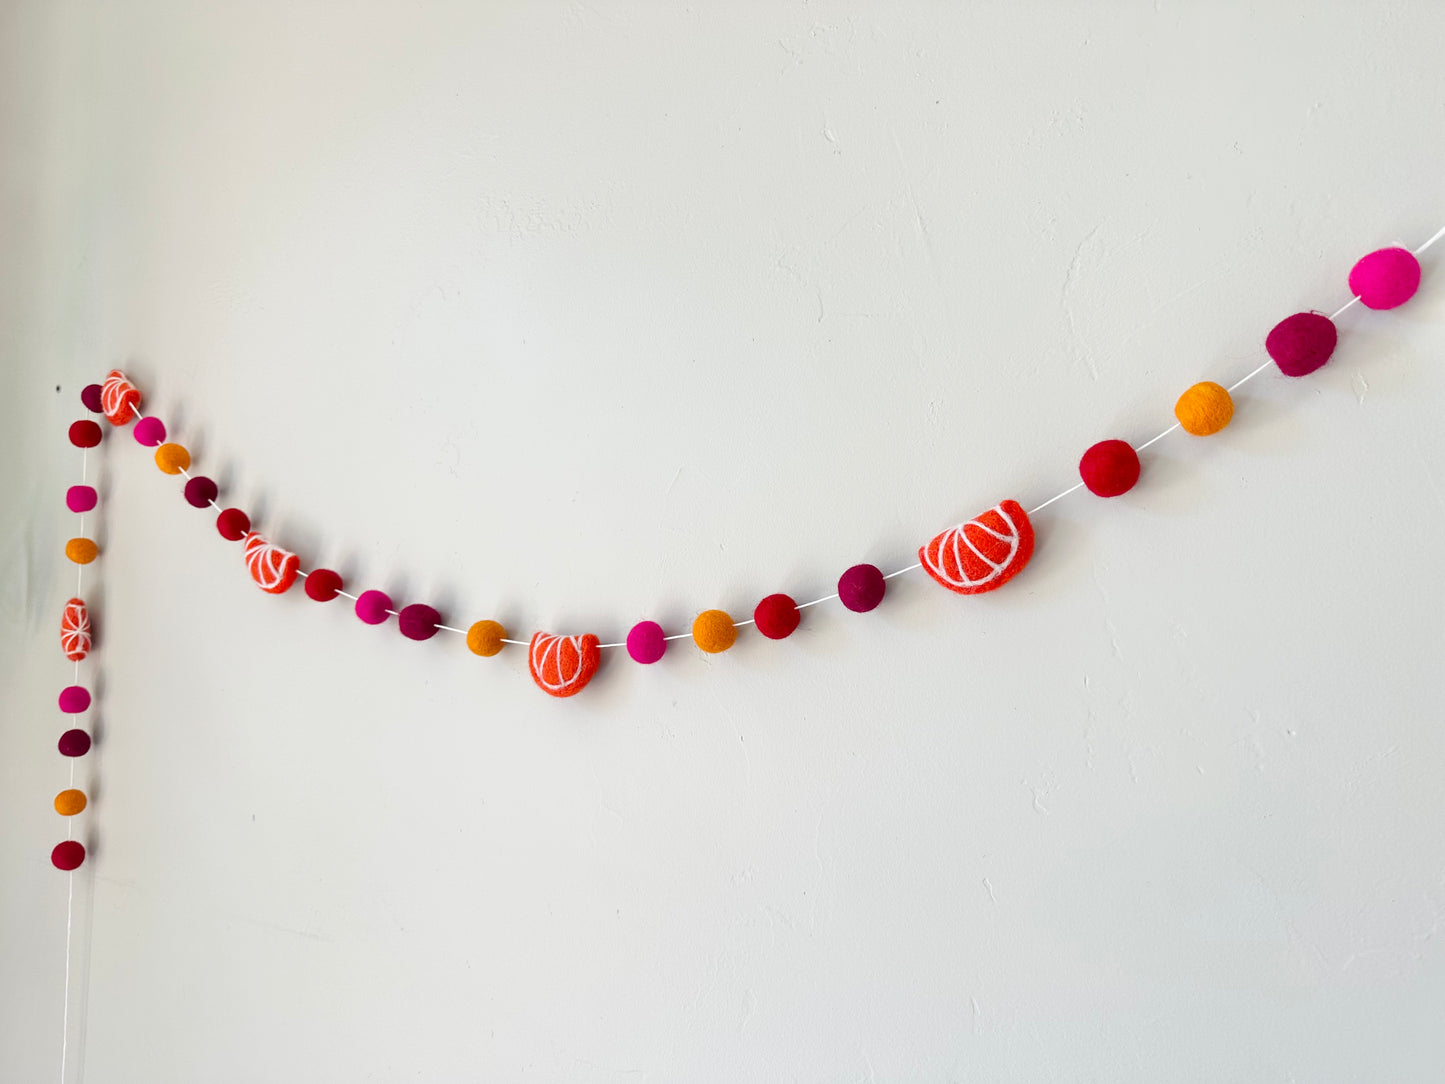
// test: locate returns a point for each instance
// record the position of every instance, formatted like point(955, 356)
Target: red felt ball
point(74, 743)
point(1109, 468)
point(84, 433)
point(233, 524)
point(323, 585)
point(68, 855)
point(777, 617)
point(200, 491)
point(418, 621)
point(861, 588)
point(90, 397)
point(1301, 343)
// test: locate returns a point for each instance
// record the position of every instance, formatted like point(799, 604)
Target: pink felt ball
point(646, 642)
point(200, 491)
point(1109, 468)
point(80, 498)
point(233, 524)
point(1386, 278)
point(68, 855)
point(84, 433)
point(1301, 343)
point(777, 617)
point(150, 431)
point(861, 588)
point(74, 699)
point(74, 743)
point(323, 585)
point(418, 621)
point(372, 607)
point(90, 397)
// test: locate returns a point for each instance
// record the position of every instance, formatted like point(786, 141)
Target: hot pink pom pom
point(1386, 278)
point(80, 498)
point(646, 643)
point(74, 699)
point(150, 431)
point(372, 607)
point(418, 621)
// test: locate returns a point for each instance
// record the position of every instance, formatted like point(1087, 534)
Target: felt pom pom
point(90, 399)
point(1109, 468)
point(713, 631)
point(74, 699)
point(68, 855)
point(70, 802)
point(418, 621)
point(777, 617)
point(80, 498)
point(118, 397)
point(75, 630)
point(1301, 343)
point(200, 491)
point(81, 550)
point(485, 638)
point(1204, 409)
point(233, 524)
point(273, 568)
point(172, 458)
point(563, 665)
point(84, 433)
point(372, 607)
point(982, 554)
point(861, 588)
point(74, 743)
point(150, 431)
point(646, 642)
point(1386, 278)
point(322, 585)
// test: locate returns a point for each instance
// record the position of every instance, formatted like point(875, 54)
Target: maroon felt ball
point(90, 397)
point(233, 524)
point(80, 498)
point(200, 491)
point(1301, 343)
point(323, 585)
point(150, 431)
point(84, 433)
point(1109, 468)
point(74, 743)
point(777, 617)
point(861, 588)
point(646, 642)
point(372, 606)
point(74, 699)
point(418, 621)
point(1386, 278)
point(68, 855)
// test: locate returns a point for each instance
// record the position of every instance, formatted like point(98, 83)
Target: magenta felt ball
point(372, 607)
point(74, 699)
point(1386, 278)
point(74, 743)
point(68, 855)
point(233, 524)
point(90, 397)
point(322, 585)
point(646, 642)
point(418, 621)
point(1301, 343)
point(150, 431)
point(1109, 468)
point(200, 491)
point(80, 498)
point(861, 588)
point(84, 433)
point(777, 617)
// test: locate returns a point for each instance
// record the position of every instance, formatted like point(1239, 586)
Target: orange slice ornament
point(75, 630)
point(563, 665)
point(273, 568)
point(118, 397)
point(982, 554)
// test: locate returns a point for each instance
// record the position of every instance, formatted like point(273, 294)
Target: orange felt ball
point(81, 550)
point(713, 631)
point(172, 458)
point(69, 802)
point(485, 638)
point(1204, 409)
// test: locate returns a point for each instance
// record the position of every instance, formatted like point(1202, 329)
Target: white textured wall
point(576, 314)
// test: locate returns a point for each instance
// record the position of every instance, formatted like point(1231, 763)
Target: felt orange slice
point(75, 630)
point(982, 554)
point(562, 665)
point(273, 568)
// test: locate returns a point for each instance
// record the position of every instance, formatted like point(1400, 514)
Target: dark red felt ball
point(1301, 343)
point(233, 524)
point(1109, 468)
point(90, 397)
point(74, 743)
point(84, 433)
point(322, 585)
point(200, 491)
point(68, 855)
point(777, 616)
point(418, 621)
point(861, 588)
